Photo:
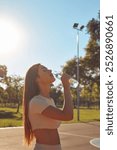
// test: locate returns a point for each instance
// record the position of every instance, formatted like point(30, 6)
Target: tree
point(17, 83)
point(89, 65)
point(57, 94)
point(13, 89)
point(1, 94)
point(92, 58)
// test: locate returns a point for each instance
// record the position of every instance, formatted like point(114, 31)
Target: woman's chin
point(53, 80)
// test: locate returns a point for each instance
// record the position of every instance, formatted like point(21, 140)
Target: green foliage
point(95, 92)
point(93, 28)
point(92, 58)
point(70, 67)
point(12, 93)
point(57, 95)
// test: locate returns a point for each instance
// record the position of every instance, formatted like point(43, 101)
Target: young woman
point(41, 117)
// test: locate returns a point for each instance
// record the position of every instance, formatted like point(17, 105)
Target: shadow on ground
point(7, 115)
point(4, 114)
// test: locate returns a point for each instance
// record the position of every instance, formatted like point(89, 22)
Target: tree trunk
point(18, 105)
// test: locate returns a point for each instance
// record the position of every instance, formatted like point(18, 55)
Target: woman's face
point(45, 75)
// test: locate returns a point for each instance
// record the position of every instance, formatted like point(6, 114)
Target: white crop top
point(38, 121)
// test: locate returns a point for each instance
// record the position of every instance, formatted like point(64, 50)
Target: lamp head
point(81, 27)
point(75, 26)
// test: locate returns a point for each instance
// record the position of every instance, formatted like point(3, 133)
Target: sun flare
point(11, 36)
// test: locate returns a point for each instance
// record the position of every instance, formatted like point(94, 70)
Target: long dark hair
point(30, 90)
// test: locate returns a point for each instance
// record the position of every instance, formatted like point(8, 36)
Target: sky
point(41, 31)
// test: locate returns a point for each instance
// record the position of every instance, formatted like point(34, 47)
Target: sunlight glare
point(11, 36)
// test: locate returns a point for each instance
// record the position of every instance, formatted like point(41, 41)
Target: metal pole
point(78, 93)
point(75, 26)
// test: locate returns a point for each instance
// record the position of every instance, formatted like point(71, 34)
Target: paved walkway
point(76, 136)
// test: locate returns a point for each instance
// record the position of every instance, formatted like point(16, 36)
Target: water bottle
point(73, 82)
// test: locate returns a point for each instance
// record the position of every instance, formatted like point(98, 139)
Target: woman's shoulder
point(36, 98)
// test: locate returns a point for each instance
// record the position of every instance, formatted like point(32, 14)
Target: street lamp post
point(76, 26)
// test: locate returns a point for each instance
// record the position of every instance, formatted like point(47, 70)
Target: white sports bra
point(38, 121)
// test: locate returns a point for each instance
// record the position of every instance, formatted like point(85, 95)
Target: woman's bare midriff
point(47, 136)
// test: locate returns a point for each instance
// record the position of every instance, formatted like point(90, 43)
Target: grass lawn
point(9, 118)
point(86, 115)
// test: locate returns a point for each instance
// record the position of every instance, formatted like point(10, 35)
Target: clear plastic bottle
point(73, 82)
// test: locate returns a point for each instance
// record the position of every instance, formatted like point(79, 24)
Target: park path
point(75, 136)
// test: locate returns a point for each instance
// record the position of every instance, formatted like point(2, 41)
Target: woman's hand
point(65, 79)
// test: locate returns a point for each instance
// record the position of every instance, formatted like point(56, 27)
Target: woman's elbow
point(69, 117)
